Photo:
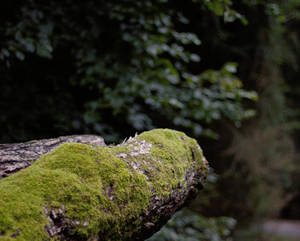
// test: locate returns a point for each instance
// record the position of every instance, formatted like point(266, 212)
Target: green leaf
point(20, 55)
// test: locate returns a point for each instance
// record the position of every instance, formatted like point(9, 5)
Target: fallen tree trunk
point(91, 191)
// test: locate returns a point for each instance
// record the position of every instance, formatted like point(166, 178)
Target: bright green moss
point(96, 187)
point(172, 154)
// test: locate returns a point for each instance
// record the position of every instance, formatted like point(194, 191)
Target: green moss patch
point(172, 154)
point(102, 191)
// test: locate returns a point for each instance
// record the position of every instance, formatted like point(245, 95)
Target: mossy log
point(15, 157)
point(89, 191)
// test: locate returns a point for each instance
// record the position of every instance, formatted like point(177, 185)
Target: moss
point(98, 187)
point(172, 154)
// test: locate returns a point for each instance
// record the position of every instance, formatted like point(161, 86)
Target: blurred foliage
point(257, 234)
point(260, 168)
point(191, 227)
point(264, 151)
point(130, 73)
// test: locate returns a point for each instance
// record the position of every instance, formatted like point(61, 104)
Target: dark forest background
point(225, 72)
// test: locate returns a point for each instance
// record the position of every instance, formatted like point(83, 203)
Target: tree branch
point(97, 192)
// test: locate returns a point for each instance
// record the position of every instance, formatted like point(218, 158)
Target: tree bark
point(164, 169)
point(17, 156)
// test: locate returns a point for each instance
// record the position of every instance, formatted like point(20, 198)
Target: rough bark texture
point(97, 192)
point(16, 156)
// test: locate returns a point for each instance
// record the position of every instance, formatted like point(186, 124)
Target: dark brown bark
point(17, 156)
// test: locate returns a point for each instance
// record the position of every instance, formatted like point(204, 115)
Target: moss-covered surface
point(104, 189)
